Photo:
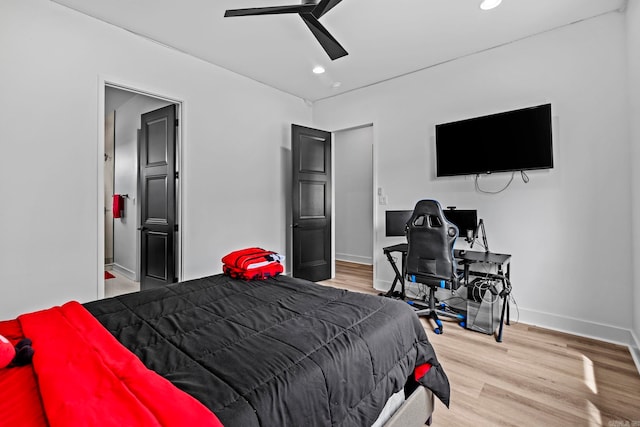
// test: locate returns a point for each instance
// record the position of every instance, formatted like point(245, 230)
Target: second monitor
point(465, 220)
point(396, 222)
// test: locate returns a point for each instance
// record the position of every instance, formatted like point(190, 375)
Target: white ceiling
point(384, 38)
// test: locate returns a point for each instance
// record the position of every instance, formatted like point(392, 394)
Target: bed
point(275, 352)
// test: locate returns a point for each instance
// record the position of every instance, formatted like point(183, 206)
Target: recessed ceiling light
point(318, 69)
point(489, 4)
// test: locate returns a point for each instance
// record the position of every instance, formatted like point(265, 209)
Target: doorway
point(354, 198)
point(123, 249)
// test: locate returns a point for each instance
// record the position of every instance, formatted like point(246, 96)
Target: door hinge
point(177, 122)
point(175, 227)
point(177, 175)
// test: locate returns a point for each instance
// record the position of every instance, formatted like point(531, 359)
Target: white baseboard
point(580, 327)
point(358, 259)
point(131, 275)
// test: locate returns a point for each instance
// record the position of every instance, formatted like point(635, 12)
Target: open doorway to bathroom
point(124, 204)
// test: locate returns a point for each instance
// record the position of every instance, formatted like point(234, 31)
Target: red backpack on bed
point(252, 264)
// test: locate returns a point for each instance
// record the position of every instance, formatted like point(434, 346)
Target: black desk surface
point(478, 256)
point(462, 254)
point(401, 247)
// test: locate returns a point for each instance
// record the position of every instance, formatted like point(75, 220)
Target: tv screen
point(509, 141)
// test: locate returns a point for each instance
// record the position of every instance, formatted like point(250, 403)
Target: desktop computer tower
point(483, 306)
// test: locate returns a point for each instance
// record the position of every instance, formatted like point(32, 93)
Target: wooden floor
point(535, 377)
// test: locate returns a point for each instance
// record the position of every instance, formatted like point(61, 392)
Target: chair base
point(433, 313)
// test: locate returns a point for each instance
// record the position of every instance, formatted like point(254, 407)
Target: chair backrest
point(431, 238)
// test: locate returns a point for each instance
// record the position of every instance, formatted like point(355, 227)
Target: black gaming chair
point(430, 258)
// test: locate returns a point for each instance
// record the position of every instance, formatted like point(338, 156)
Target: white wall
point(53, 60)
point(633, 49)
point(125, 229)
point(353, 188)
point(571, 270)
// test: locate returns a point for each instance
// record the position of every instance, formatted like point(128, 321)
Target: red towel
point(118, 205)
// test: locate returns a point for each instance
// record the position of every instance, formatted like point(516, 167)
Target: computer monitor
point(465, 220)
point(396, 222)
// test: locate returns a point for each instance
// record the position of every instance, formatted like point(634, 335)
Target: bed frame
point(415, 411)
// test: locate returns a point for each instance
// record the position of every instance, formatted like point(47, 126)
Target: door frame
point(103, 83)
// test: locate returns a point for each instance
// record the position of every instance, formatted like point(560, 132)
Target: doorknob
point(143, 228)
point(295, 226)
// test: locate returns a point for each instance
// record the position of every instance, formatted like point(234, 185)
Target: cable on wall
point(523, 175)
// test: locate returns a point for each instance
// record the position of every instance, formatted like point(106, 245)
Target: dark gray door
point(157, 197)
point(311, 150)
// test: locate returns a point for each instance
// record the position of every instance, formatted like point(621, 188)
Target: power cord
point(421, 293)
point(479, 288)
point(479, 243)
point(480, 284)
point(515, 304)
point(455, 296)
point(523, 175)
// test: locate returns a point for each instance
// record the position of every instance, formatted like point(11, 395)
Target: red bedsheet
point(86, 377)
point(19, 397)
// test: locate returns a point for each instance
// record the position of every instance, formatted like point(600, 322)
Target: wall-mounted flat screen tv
point(510, 141)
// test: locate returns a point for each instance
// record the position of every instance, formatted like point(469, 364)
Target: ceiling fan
point(310, 11)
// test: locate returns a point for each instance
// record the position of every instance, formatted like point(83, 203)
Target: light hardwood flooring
point(535, 377)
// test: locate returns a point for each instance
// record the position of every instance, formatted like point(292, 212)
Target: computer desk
point(467, 259)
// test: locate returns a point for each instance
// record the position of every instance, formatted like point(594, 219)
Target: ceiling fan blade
point(328, 43)
point(324, 6)
point(273, 10)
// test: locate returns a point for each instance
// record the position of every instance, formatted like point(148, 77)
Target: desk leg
point(505, 303)
point(506, 297)
point(399, 277)
point(403, 275)
point(466, 273)
point(393, 287)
